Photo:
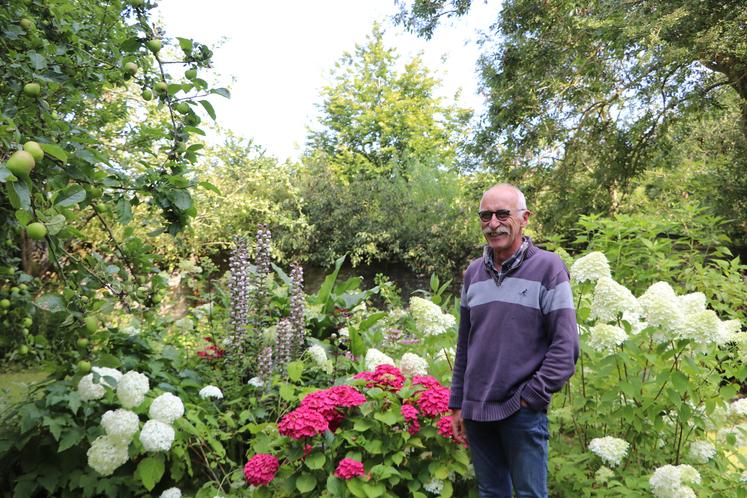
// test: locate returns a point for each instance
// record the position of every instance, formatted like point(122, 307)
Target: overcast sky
point(275, 56)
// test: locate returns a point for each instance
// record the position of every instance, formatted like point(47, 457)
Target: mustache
point(497, 231)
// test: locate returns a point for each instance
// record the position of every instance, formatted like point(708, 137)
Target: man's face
point(503, 236)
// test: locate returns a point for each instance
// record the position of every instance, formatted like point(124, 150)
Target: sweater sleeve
point(460, 361)
point(559, 318)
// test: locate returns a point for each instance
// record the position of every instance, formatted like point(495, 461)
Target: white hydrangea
point(634, 319)
point(90, 389)
point(661, 308)
point(429, 318)
point(434, 486)
point(739, 407)
point(106, 455)
point(318, 354)
point(374, 358)
point(211, 392)
point(610, 449)
point(256, 382)
point(702, 327)
point(120, 424)
point(446, 354)
point(738, 431)
point(671, 481)
point(701, 451)
point(157, 436)
point(172, 493)
point(590, 268)
point(605, 338)
point(132, 388)
point(695, 302)
point(166, 408)
point(728, 331)
point(610, 299)
point(412, 364)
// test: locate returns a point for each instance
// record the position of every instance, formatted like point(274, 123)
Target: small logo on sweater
point(524, 292)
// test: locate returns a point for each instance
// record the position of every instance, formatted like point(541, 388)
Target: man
point(518, 344)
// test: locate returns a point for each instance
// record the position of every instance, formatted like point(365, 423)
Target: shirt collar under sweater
point(511, 263)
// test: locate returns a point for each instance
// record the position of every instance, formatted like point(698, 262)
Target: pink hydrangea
point(327, 401)
point(260, 470)
point(302, 422)
point(385, 377)
point(411, 418)
point(445, 428)
point(322, 402)
point(349, 468)
point(434, 401)
point(346, 396)
point(426, 380)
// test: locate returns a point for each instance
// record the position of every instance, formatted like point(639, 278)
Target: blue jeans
point(510, 454)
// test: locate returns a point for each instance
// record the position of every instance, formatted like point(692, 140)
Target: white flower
point(256, 382)
point(695, 302)
point(661, 308)
point(120, 424)
point(90, 389)
point(728, 331)
point(591, 267)
point(211, 392)
point(434, 486)
point(157, 436)
point(344, 332)
point(670, 481)
point(739, 407)
point(132, 388)
point(106, 455)
point(738, 431)
point(610, 299)
point(429, 318)
point(610, 449)
point(318, 354)
point(603, 475)
point(701, 451)
point(604, 338)
point(374, 358)
point(634, 319)
point(171, 493)
point(412, 364)
point(166, 408)
point(703, 327)
point(446, 354)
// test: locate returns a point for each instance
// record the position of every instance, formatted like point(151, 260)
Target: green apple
point(182, 107)
point(190, 74)
point(4, 303)
point(26, 24)
point(82, 342)
point(147, 94)
point(34, 149)
point(154, 45)
point(84, 366)
point(23, 349)
point(32, 89)
point(36, 231)
point(131, 68)
point(27, 322)
point(21, 163)
point(161, 87)
point(91, 323)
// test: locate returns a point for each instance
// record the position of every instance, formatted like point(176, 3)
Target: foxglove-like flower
point(106, 455)
point(283, 343)
point(157, 436)
point(412, 364)
point(132, 388)
point(262, 260)
point(590, 268)
point(610, 449)
point(605, 338)
point(349, 468)
point(211, 392)
point(260, 470)
point(671, 481)
point(374, 358)
point(238, 284)
point(265, 364)
point(429, 318)
point(166, 408)
point(611, 299)
point(120, 425)
point(297, 307)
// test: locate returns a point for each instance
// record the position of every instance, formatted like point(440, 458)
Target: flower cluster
point(297, 305)
point(434, 401)
point(238, 264)
point(661, 306)
point(374, 358)
point(701, 451)
point(106, 454)
point(211, 392)
point(590, 268)
point(384, 376)
point(132, 388)
point(211, 351)
point(166, 408)
point(120, 425)
point(260, 470)
point(429, 318)
point(93, 385)
point(157, 436)
point(605, 338)
point(739, 407)
point(410, 413)
point(327, 402)
point(318, 354)
point(412, 364)
point(610, 449)
point(303, 422)
point(671, 481)
point(171, 493)
point(262, 259)
point(349, 468)
point(445, 428)
point(434, 486)
point(611, 299)
point(283, 342)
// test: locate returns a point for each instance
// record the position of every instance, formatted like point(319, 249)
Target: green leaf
point(186, 44)
point(55, 151)
point(38, 62)
point(374, 490)
point(295, 370)
point(5, 174)
point(355, 486)
point(71, 196)
point(181, 199)
point(70, 439)
point(223, 92)
point(52, 303)
point(123, 210)
point(208, 108)
point(55, 224)
point(24, 217)
point(389, 417)
point(680, 381)
point(287, 392)
point(150, 470)
point(305, 483)
point(315, 460)
point(130, 44)
point(19, 195)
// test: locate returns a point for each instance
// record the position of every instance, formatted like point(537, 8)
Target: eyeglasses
point(501, 214)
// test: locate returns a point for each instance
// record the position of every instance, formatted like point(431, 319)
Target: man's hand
point(457, 424)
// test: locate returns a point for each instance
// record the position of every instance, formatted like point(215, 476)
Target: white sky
point(276, 55)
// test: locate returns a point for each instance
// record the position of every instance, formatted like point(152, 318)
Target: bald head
point(506, 190)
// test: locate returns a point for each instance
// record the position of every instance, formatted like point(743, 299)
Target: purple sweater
point(517, 340)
